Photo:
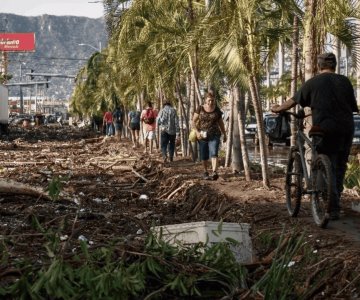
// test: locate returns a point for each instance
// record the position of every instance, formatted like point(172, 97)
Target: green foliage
point(278, 282)
point(55, 187)
point(352, 176)
point(156, 271)
point(5, 77)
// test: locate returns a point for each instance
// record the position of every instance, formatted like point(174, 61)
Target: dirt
point(110, 190)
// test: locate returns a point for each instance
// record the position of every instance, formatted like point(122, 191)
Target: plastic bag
point(192, 136)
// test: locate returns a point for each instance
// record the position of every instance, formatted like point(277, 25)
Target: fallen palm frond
point(143, 271)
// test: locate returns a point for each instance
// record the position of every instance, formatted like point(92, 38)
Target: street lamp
point(96, 49)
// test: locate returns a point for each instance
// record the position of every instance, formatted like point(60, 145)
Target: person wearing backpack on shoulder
point(168, 123)
point(134, 126)
point(118, 122)
point(148, 116)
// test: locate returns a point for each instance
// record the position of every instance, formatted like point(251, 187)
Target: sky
point(84, 8)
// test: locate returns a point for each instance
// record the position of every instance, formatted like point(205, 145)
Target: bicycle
point(300, 182)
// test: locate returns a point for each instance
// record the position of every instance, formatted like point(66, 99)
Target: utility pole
point(21, 92)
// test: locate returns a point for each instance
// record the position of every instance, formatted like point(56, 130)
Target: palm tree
point(241, 30)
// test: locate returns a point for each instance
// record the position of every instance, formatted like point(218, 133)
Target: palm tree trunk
point(240, 116)
point(195, 80)
point(260, 129)
point(309, 39)
point(230, 130)
point(281, 67)
point(294, 71)
point(183, 120)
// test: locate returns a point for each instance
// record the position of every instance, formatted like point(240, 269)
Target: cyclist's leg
point(335, 194)
point(341, 164)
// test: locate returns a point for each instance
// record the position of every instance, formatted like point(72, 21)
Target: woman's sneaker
point(214, 176)
point(206, 176)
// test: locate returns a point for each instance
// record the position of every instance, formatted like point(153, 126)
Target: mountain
point(57, 40)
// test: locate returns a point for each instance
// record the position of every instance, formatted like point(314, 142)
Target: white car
point(250, 129)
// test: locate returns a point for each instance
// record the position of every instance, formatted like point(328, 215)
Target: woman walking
point(209, 125)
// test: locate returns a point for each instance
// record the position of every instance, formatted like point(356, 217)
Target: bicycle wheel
point(321, 182)
point(294, 182)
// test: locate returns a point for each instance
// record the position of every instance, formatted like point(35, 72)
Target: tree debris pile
point(77, 207)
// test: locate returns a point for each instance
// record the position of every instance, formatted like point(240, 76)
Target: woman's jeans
point(209, 148)
point(109, 129)
point(167, 140)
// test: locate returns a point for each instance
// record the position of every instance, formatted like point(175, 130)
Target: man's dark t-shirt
point(332, 101)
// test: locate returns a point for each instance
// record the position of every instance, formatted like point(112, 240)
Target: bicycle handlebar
point(299, 115)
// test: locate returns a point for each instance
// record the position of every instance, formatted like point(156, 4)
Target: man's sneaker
point(334, 215)
point(214, 176)
point(206, 176)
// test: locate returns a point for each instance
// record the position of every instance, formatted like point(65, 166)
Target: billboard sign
point(17, 42)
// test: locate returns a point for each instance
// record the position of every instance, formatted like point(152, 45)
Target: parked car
point(250, 129)
point(19, 119)
point(50, 119)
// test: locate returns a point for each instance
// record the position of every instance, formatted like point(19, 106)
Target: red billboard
point(17, 42)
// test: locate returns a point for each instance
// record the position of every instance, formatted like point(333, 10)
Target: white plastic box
point(206, 231)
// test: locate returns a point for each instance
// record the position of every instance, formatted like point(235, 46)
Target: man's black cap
point(327, 61)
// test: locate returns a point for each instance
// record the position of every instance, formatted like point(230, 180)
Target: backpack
point(279, 127)
point(149, 117)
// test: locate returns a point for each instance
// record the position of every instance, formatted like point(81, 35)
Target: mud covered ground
point(109, 190)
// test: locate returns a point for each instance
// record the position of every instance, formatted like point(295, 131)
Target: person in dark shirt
point(134, 125)
point(332, 101)
point(118, 122)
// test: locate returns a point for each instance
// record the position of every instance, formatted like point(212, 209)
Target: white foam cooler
point(207, 231)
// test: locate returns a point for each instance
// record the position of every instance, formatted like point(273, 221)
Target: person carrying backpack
point(148, 116)
point(118, 122)
point(134, 126)
point(168, 123)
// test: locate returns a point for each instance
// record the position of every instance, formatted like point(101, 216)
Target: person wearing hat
point(332, 101)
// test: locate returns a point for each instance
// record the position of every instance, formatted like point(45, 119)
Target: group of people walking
point(207, 121)
point(329, 95)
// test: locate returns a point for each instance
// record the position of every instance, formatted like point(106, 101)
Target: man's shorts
point(135, 126)
point(118, 126)
point(150, 135)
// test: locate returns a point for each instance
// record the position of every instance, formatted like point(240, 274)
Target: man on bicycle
point(332, 101)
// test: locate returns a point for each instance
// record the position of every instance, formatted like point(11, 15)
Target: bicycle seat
point(316, 131)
